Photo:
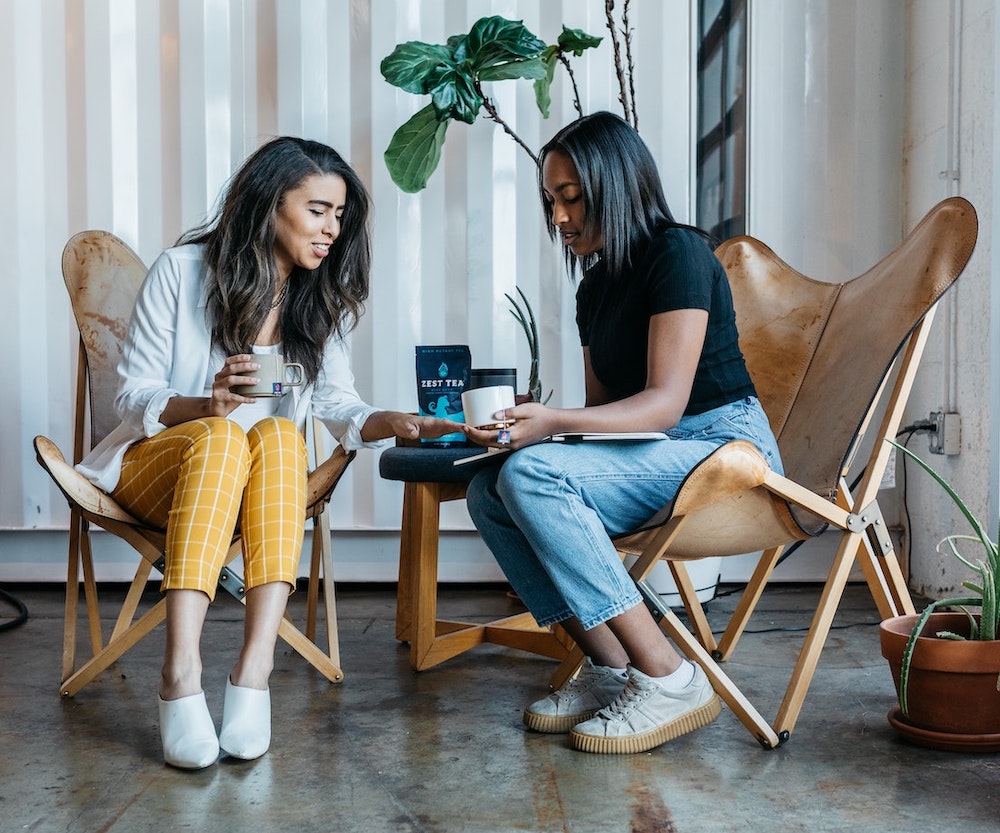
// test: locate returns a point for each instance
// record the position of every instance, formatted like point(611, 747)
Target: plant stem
point(495, 116)
point(572, 78)
point(631, 63)
point(609, 7)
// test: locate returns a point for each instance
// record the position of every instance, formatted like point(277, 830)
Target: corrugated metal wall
point(130, 114)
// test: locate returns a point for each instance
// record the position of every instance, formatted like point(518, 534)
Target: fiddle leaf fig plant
point(985, 587)
point(453, 74)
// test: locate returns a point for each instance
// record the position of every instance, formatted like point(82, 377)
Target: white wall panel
point(827, 91)
point(130, 115)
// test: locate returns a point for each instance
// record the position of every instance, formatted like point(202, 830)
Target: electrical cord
point(19, 606)
point(799, 629)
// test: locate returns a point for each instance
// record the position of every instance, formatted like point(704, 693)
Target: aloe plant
point(526, 318)
point(986, 585)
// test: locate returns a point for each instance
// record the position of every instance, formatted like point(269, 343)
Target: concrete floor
point(444, 749)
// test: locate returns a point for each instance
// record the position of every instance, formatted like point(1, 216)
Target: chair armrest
point(324, 479)
point(734, 467)
point(78, 490)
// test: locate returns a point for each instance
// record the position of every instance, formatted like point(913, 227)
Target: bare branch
point(609, 8)
point(572, 78)
point(631, 63)
point(495, 116)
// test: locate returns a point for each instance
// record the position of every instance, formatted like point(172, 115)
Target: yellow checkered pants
point(200, 478)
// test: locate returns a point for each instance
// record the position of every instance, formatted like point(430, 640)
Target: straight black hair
point(622, 194)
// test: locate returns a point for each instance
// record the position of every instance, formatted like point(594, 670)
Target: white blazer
point(167, 353)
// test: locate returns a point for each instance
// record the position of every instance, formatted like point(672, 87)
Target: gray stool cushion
point(428, 464)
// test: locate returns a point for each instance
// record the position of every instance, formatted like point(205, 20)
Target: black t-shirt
point(677, 270)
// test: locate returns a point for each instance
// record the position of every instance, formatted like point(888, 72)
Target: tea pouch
point(442, 376)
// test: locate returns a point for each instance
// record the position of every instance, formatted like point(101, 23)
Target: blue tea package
point(442, 376)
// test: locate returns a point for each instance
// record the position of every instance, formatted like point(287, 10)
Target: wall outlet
point(946, 438)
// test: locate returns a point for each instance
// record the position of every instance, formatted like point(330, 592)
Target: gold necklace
point(280, 299)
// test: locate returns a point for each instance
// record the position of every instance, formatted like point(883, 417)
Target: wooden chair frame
point(90, 506)
point(733, 503)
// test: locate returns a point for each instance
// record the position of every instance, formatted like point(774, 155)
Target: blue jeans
point(549, 512)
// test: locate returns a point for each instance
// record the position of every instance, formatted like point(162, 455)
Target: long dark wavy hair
point(622, 195)
point(240, 262)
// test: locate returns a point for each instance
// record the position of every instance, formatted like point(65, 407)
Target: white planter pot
point(704, 574)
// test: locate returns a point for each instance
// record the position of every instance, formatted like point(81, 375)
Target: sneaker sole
point(688, 722)
point(555, 724)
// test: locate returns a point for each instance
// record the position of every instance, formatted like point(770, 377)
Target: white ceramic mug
point(481, 404)
point(275, 376)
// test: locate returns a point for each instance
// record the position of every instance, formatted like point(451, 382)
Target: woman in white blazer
point(282, 267)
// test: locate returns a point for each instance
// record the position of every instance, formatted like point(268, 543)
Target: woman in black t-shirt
point(661, 353)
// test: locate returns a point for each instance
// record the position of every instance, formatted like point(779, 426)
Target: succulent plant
point(985, 586)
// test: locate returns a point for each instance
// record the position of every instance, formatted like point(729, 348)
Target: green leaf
point(576, 41)
point(415, 150)
point(496, 40)
point(454, 95)
point(459, 50)
point(543, 85)
point(990, 546)
point(911, 643)
point(411, 64)
point(524, 68)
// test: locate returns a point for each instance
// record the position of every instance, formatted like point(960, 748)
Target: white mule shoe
point(246, 722)
point(187, 732)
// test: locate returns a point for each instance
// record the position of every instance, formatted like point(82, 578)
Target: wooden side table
point(430, 479)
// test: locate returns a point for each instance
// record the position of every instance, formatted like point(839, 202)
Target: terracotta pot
point(952, 687)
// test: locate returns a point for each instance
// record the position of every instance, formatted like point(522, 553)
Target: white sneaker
point(645, 715)
point(579, 699)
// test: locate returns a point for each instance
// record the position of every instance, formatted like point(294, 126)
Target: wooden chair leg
point(132, 599)
point(819, 629)
point(312, 587)
point(79, 559)
point(321, 542)
point(71, 608)
point(422, 540)
point(723, 685)
point(115, 649)
point(886, 583)
point(568, 668)
point(747, 603)
point(693, 607)
point(309, 651)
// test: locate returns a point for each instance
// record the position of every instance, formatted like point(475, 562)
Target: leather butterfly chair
point(829, 361)
point(103, 277)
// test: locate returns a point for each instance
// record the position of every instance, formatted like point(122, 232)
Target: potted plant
point(946, 665)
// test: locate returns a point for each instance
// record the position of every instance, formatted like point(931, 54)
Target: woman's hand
point(383, 424)
point(237, 370)
point(529, 423)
